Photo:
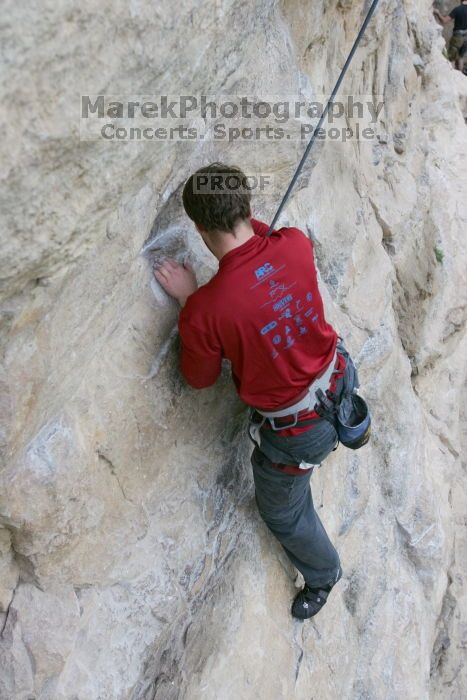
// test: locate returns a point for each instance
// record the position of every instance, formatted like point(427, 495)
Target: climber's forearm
point(442, 18)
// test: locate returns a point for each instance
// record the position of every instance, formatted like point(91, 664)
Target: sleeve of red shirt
point(201, 355)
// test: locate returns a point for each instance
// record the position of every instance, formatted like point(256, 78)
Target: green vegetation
point(439, 254)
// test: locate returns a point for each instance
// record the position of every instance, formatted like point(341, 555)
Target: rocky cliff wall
point(133, 563)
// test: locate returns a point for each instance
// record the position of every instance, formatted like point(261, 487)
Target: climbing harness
point(348, 413)
point(323, 116)
point(307, 403)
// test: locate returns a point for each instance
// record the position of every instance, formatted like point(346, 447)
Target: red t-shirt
point(263, 311)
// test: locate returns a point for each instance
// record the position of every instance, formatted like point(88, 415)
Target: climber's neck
point(222, 242)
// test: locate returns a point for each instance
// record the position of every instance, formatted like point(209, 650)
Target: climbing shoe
point(309, 601)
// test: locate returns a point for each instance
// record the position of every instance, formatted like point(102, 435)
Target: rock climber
point(456, 50)
point(263, 311)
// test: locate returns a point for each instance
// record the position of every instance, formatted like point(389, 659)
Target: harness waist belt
point(460, 31)
point(309, 400)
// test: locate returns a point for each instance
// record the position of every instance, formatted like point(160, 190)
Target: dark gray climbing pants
point(285, 504)
point(284, 500)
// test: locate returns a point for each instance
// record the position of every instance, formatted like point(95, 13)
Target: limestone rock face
point(133, 562)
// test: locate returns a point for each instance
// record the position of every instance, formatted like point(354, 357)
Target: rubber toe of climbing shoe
point(309, 601)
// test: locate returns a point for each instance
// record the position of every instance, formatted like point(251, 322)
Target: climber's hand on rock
point(179, 281)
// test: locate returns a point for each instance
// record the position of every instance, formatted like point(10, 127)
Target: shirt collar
point(240, 250)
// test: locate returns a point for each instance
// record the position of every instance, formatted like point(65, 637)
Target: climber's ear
point(205, 236)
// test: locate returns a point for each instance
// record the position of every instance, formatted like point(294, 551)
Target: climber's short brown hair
point(217, 197)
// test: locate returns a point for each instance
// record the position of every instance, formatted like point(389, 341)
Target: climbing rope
point(323, 116)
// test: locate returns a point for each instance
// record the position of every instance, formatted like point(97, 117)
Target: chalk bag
point(353, 422)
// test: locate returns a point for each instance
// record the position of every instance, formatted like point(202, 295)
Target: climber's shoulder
point(294, 234)
point(260, 229)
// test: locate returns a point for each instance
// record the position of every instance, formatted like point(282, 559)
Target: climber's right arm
point(442, 18)
point(201, 355)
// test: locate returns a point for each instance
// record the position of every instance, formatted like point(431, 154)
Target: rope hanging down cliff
point(324, 114)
